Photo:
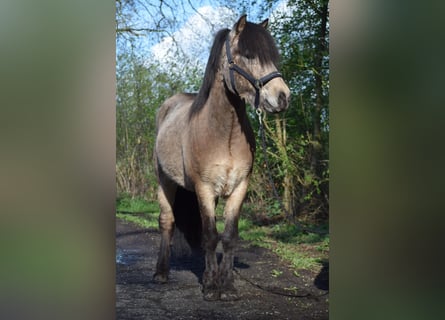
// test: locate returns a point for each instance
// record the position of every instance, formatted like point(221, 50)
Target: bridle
point(256, 83)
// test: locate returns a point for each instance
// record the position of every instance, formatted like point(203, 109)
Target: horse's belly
point(169, 157)
point(172, 166)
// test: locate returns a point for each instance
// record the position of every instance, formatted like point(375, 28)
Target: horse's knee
point(166, 221)
point(210, 241)
point(229, 240)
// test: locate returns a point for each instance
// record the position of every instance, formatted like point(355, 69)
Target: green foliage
point(136, 205)
point(298, 140)
point(138, 210)
point(257, 235)
point(276, 273)
point(141, 89)
point(324, 245)
point(142, 221)
point(298, 260)
point(289, 233)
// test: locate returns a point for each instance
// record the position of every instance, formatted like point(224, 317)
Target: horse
point(205, 145)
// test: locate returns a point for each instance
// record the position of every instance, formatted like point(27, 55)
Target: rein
point(256, 83)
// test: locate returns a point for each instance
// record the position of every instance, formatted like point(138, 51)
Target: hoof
point(211, 292)
point(229, 295)
point(160, 278)
point(211, 295)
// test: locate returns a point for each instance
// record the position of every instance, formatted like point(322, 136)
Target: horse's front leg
point(210, 285)
point(229, 240)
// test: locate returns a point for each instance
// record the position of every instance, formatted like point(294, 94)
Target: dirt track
point(263, 295)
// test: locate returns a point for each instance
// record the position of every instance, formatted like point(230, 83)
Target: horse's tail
point(188, 231)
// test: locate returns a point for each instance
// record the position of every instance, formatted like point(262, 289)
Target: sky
point(189, 42)
point(194, 38)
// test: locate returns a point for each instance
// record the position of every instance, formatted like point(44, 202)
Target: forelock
point(255, 42)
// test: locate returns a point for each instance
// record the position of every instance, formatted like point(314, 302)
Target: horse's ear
point(241, 23)
point(265, 23)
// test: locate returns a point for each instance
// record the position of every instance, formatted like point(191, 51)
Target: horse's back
point(171, 128)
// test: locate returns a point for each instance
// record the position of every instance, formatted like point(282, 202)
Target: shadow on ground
point(264, 294)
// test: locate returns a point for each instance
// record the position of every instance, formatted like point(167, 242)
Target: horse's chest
point(226, 178)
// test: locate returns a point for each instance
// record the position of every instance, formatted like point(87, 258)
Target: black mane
point(254, 42)
point(210, 72)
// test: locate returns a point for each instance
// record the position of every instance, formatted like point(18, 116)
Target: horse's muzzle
point(278, 104)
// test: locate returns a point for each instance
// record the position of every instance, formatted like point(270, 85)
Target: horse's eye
point(248, 55)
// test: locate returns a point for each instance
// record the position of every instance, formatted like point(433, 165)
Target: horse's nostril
point(283, 100)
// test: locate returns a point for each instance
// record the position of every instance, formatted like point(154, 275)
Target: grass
point(138, 211)
point(136, 205)
point(301, 250)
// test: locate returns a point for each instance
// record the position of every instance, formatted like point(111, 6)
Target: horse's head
point(250, 68)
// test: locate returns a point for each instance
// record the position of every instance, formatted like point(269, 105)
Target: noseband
point(256, 83)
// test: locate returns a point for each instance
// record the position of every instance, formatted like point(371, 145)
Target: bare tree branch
point(135, 30)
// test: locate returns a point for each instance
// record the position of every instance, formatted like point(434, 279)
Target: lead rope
point(275, 291)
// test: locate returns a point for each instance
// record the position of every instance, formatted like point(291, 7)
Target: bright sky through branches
point(191, 42)
point(186, 31)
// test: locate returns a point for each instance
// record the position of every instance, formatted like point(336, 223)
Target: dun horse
point(205, 148)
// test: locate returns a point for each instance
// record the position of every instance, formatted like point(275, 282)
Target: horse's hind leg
point(166, 194)
point(229, 240)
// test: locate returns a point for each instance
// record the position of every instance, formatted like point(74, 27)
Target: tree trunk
point(281, 141)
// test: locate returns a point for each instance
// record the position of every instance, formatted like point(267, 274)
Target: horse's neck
point(225, 116)
point(226, 109)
